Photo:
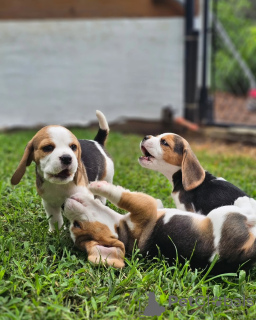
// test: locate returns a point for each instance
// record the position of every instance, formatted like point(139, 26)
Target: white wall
point(61, 71)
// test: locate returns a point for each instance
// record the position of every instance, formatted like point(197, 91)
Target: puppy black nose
point(146, 138)
point(66, 159)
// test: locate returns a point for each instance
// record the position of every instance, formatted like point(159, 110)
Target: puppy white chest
point(176, 198)
point(55, 194)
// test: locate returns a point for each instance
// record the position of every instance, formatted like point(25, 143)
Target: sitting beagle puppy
point(194, 189)
point(107, 236)
point(65, 165)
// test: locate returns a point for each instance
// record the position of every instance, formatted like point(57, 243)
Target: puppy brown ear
point(25, 161)
point(111, 253)
point(80, 177)
point(111, 256)
point(193, 173)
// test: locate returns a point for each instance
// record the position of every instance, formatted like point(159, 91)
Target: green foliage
point(239, 20)
point(42, 275)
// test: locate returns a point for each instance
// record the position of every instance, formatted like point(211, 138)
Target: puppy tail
point(103, 131)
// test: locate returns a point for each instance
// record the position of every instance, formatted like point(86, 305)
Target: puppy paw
point(242, 202)
point(99, 187)
point(248, 205)
point(253, 204)
point(54, 229)
point(99, 183)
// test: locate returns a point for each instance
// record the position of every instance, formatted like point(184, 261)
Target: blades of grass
point(2, 273)
point(208, 272)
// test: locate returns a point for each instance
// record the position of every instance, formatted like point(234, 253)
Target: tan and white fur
point(106, 235)
point(194, 189)
point(61, 165)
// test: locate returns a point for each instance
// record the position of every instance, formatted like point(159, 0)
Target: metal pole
point(190, 76)
point(205, 105)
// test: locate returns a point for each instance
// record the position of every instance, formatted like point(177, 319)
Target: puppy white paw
point(52, 230)
point(242, 202)
point(247, 204)
point(253, 204)
point(99, 187)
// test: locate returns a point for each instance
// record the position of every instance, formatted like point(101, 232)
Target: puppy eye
point(73, 147)
point(48, 148)
point(164, 143)
point(76, 225)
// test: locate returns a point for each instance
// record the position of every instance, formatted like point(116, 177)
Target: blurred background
point(60, 60)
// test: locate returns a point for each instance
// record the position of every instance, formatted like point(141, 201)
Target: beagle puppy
point(65, 165)
point(106, 236)
point(194, 189)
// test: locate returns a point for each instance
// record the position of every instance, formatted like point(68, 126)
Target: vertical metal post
point(190, 76)
point(205, 104)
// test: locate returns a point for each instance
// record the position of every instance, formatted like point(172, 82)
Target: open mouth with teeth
point(147, 156)
point(64, 174)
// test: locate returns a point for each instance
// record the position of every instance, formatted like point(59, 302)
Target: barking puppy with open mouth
point(107, 236)
point(194, 189)
point(65, 165)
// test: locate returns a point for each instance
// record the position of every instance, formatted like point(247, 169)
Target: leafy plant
point(238, 18)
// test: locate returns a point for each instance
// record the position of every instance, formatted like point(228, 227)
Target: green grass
point(42, 275)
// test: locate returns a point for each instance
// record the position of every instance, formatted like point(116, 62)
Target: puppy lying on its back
point(194, 189)
point(106, 235)
point(64, 165)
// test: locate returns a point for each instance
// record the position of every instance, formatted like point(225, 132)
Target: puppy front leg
point(138, 204)
point(107, 190)
point(54, 215)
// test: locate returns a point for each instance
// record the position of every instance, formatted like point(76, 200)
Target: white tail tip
point(102, 120)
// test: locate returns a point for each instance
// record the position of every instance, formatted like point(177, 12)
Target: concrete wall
point(60, 71)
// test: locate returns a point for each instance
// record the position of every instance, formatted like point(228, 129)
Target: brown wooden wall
point(53, 9)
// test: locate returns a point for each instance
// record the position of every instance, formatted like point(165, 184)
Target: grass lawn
point(42, 275)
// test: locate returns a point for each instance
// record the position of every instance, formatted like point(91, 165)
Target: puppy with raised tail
point(106, 235)
point(194, 189)
point(65, 165)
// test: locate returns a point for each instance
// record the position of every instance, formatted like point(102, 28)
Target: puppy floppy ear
point(111, 256)
point(100, 244)
point(193, 173)
point(25, 161)
point(80, 177)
